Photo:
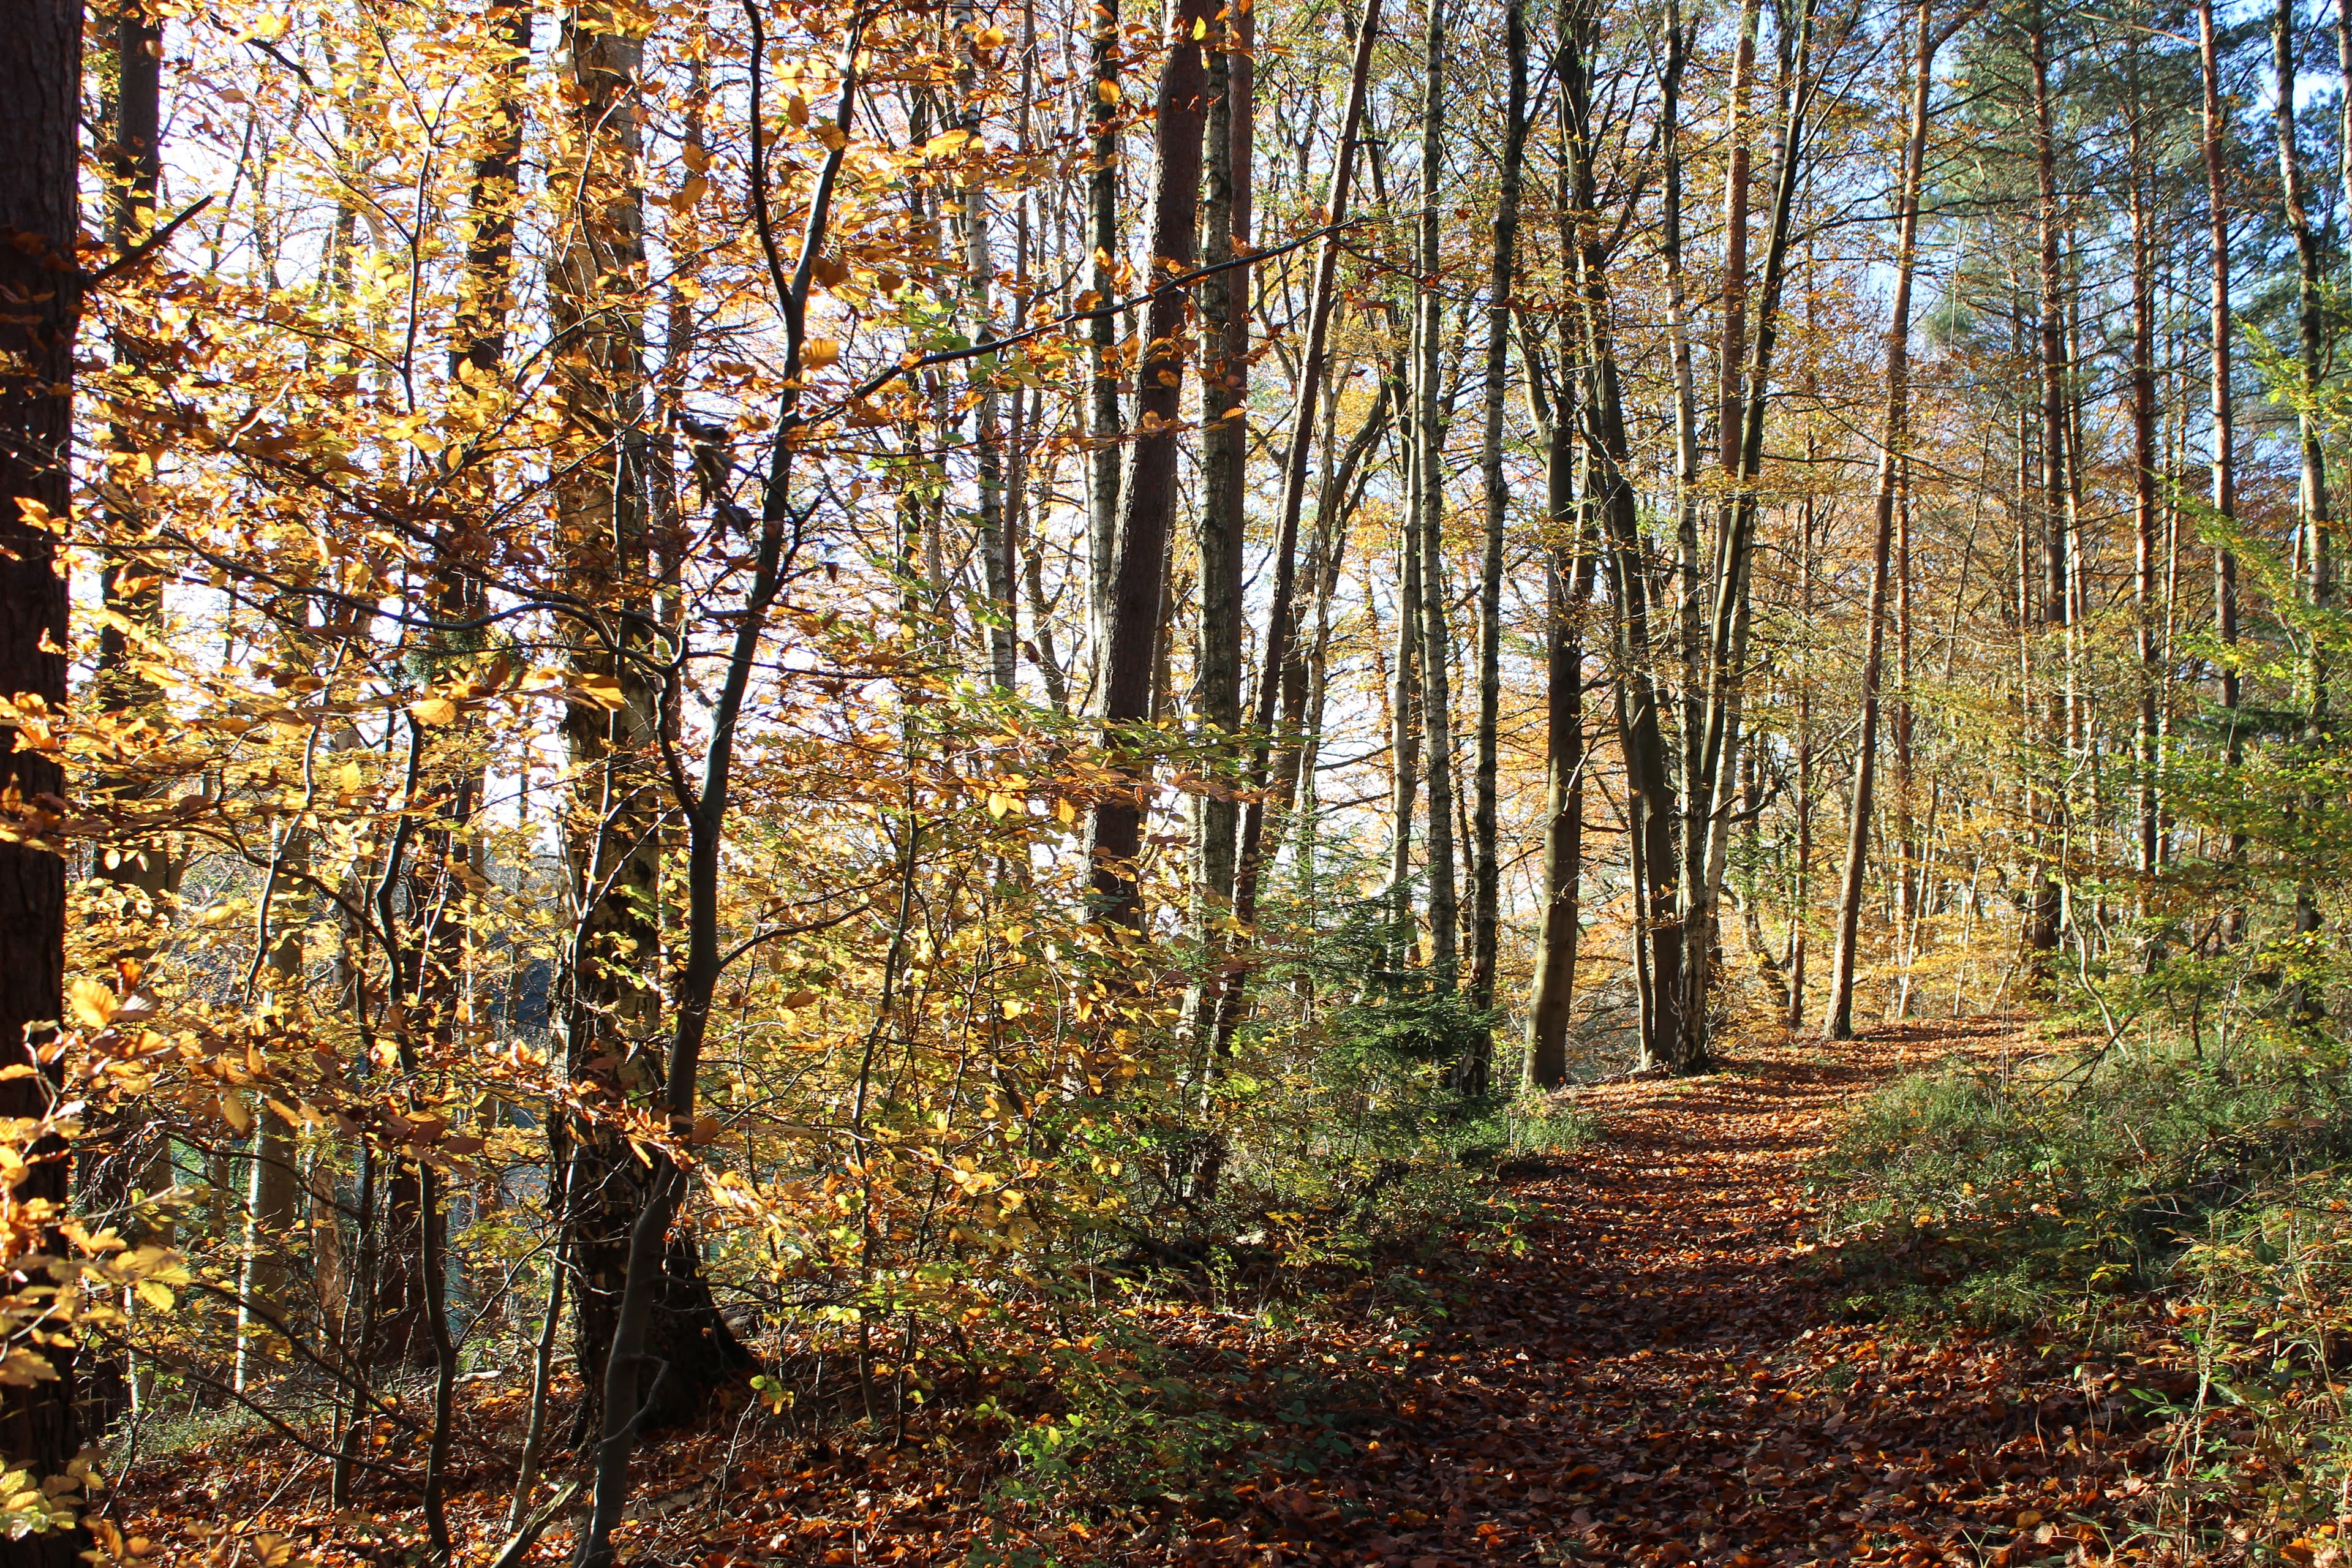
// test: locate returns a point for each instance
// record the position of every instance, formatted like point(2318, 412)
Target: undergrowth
point(2143, 1202)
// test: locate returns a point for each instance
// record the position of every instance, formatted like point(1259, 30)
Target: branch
point(1182, 280)
point(143, 250)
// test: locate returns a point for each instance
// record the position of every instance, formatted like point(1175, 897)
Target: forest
point(1023, 782)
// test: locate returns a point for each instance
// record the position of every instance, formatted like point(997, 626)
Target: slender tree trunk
point(2214, 127)
point(1486, 897)
point(1106, 422)
point(2312, 344)
point(1219, 536)
point(1641, 737)
point(1894, 438)
point(1405, 695)
point(2300, 998)
point(1429, 511)
point(2145, 478)
point(1000, 572)
point(1801, 879)
point(1568, 587)
point(1712, 778)
point(1138, 577)
point(1732, 351)
point(2045, 914)
point(1275, 771)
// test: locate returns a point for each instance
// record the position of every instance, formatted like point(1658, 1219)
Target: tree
point(40, 99)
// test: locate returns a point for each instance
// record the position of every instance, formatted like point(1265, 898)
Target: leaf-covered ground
point(1649, 1366)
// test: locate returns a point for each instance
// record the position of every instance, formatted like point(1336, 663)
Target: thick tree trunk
point(142, 867)
point(613, 1008)
point(1138, 577)
point(40, 112)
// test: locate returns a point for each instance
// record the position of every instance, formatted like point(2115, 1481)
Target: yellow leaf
point(235, 1112)
point(92, 1002)
point(818, 353)
point(1107, 90)
point(157, 1296)
point(603, 690)
point(434, 710)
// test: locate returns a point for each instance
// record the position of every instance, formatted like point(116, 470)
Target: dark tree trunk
point(2044, 912)
point(1138, 584)
point(1428, 512)
point(1485, 894)
point(40, 111)
point(1567, 589)
point(1641, 735)
point(1105, 422)
point(612, 1013)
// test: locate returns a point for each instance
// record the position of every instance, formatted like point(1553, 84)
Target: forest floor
point(1649, 1362)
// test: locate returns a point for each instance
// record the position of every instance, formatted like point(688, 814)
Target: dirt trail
point(1662, 1377)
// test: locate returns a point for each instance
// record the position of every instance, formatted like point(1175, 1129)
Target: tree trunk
point(1275, 775)
point(141, 867)
point(2312, 343)
point(1106, 428)
point(1428, 510)
point(1219, 538)
point(1138, 577)
point(2300, 998)
point(1404, 699)
point(1712, 766)
point(1568, 587)
point(612, 1009)
point(1650, 805)
point(2044, 914)
point(40, 111)
point(2213, 127)
point(1485, 897)
point(1895, 437)
point(2145, 480)
point(1801, 876)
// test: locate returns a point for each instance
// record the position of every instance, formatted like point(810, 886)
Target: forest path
point(1661, 1377)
